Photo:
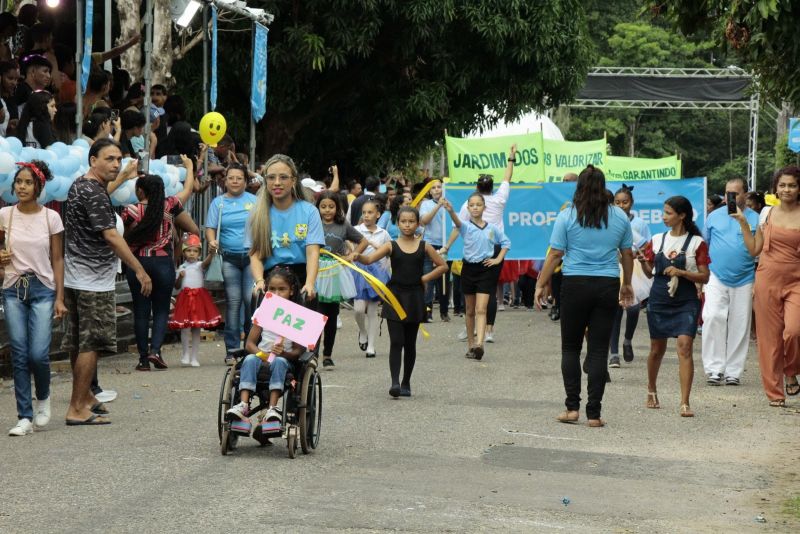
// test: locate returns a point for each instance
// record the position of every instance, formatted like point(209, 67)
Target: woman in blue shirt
point(285, 229)
point(588, 237)
point(231, 212)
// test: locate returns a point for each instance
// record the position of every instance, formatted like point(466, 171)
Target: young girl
point(263, 346)
point(407, 255)
point(677, 261)
point(334, 282)
point(33, 291)
point(194, 308)
point(623, 199)
point(477, 274)
point(366, 303)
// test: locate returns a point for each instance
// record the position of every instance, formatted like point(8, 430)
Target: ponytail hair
point(682, 206)
point(146, 230)
point(591, 198)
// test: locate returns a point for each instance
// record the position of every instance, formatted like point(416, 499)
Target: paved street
point(475, 449)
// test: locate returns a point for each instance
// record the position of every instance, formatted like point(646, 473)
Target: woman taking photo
point(589, 237)
point(286, 229)
point(148, 231)
point(228, 233)
point(777, 287)
point(33, 291)
point(677, 260)
point(35, 126)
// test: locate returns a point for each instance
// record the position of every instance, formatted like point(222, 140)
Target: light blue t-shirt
point(235, 231)
point(292, 230)
point(730, 261)
point(386, 223)
point(435, 228)
point(479, 242)
point(591, 251)
point(641, 232)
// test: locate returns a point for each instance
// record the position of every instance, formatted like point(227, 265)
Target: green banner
point(562, 157)
point(467, 159)
point(619, 169)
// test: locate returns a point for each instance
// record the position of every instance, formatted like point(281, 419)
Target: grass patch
point(792, 507)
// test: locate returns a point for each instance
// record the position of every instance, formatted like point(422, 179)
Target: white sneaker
point(185, 360)
point(240, 411)
point(195, 363)
point(273, 414)
point(107, 395)
point(23, 427)
point(338, 322)
point(501, 307)
point(41, 412)
point(462, 336)
point(490, 337)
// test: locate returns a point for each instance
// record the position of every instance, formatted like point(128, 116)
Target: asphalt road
point(475, 449)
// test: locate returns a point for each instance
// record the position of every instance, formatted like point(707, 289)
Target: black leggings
point(402, 339)
point(630, 325)
point(331, 309)
point(491, 308)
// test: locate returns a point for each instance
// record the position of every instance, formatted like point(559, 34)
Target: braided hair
point(152, 187)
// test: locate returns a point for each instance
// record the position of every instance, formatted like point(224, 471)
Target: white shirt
point(495, 206)
point(376, 238)
point(193, 275)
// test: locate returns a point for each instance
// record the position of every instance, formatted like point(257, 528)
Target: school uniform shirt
point(377, 238)
point(234, 234)
point(437, 226)
point(731, 263)
point(479, 242)
point(293, 229)
point(641, 232)
point(591, 251)
point(495, 205)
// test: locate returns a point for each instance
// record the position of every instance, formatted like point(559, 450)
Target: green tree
point(376, 82)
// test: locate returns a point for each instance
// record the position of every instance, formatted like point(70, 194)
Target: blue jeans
point(238, 289)
point(29, 320)
point(161, 270)
point(248, 374)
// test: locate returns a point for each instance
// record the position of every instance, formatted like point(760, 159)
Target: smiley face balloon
point(212, 128)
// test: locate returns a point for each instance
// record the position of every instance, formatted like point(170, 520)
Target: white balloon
point(7, 163)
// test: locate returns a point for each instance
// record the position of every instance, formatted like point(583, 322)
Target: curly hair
point(289, 277)
point(37, 183)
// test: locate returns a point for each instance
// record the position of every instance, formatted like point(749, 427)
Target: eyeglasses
point(278, 177)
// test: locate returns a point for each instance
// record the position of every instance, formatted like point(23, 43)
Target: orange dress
point(777, 306)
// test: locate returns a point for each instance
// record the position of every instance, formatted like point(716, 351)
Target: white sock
point(373, 322)
point(185, 336)
point(360, 308)
point(195, 343)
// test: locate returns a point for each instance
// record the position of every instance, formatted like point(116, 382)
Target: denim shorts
point(91, 324)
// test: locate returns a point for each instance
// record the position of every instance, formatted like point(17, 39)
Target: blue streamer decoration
point(258, 88)
point(213, 58)
point(86, 65)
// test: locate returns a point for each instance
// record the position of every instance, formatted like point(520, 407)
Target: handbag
point(214, 271)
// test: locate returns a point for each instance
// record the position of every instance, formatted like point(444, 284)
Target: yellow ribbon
point(772, 200)
point(424, 192)
point(380, 288)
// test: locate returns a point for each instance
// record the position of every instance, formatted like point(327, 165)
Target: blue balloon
point(82, 143)
point(9, 196)
point(56, 166)
point(47, 156)
point(182, 173)
point(61, 150)
point(69, 165)
point(14, 144)
point(27, 153)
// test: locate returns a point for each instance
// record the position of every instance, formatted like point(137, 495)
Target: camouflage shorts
point(91, 323)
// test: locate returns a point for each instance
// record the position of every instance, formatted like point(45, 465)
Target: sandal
point(792, 389)
point(568, 416)
point(778, 403)
point(652, 400)
point(686, 411)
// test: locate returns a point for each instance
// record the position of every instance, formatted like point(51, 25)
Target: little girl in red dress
point(194, 308)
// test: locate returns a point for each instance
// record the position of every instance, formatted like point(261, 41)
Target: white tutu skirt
point(334, 282)
point(364, 291)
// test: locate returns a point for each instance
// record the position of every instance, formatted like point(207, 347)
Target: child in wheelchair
point(267, 348)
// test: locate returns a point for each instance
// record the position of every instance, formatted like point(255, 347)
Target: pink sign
point(290, 320)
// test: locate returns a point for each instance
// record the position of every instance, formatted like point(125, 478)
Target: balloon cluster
point(68, 162)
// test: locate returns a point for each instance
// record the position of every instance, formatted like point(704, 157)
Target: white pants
point(726, 327)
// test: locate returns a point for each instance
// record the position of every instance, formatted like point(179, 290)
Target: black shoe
point(428, 319)
point(405, 390)
point(157, 361)
point(445, 318)
point(362, 346)
point(327, 361)
point(555, 314)
point(370, 355)
point(478, 352)
point(394, 391)
point(627, 353)
point(143, 366)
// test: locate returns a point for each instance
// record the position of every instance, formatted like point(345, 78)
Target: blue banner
point(794, 135)
point(532, 209)
point(258, 88)
point(86, 64)
point(213, 58)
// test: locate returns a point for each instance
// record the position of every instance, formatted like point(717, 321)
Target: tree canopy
point(375, 82)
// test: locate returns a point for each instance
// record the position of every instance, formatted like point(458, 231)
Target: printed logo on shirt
point(300, 231)
point(248, 206)
point(491, 235)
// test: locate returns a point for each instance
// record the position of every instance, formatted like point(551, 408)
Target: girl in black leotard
point(407, 255)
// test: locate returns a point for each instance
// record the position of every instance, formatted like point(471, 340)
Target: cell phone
point(114, 115)
point(143, 167)
point(730, 199)
point(175, 160)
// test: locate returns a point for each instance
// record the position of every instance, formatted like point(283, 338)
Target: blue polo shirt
point(437, 226)
point(479, 242)
point(292, 230)
point(591, 251)
point(730, 261)
point(235, 231)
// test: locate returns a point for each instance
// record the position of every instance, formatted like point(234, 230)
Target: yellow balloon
point(212, 128)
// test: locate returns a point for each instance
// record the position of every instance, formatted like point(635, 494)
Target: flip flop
point(99, 409)
point(792, 389)
point(93, 420)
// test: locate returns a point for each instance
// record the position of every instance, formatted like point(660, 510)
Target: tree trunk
point(130, 25)
point(632, 136)
point(162, 44)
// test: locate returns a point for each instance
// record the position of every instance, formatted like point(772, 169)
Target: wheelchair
point(301, 403)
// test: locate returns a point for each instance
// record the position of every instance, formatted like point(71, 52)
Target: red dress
point(194, 307)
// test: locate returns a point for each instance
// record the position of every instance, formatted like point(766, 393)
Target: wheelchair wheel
point(291, 441)
point(310, 415)
point(224, 401)
point(227, 439)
